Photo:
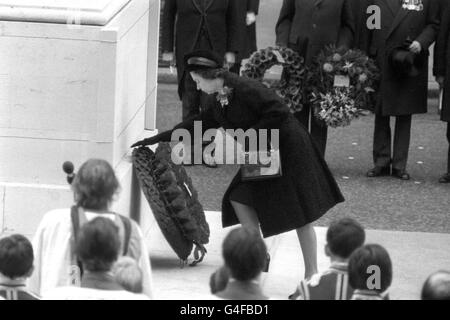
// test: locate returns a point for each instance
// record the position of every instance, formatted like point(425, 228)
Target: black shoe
point(445, 178)
point(266, 269)
point(378, 172)
point(401, 174)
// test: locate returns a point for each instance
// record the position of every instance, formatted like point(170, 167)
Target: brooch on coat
point(224, 95)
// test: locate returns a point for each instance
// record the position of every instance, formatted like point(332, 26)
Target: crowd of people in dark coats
point(307, 26)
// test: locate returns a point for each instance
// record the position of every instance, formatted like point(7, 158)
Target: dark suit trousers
point(448, 139)
point(382, 141)
point(317, 129)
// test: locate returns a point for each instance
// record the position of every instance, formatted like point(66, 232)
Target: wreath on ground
point(342, 85)
point(289, 87)
point(173, 200)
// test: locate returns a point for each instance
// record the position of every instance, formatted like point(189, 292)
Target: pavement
point(410, 218)
point(411, 265)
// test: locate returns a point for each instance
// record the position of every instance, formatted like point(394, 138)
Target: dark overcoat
point(305, 191)
point(310, 25)
point(442, 61)
point(183, 21)
point(403, 95)
point(249, 45)
point(361, 38)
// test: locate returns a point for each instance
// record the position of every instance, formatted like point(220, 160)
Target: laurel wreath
point(290, 86)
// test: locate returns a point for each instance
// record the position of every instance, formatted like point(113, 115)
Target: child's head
point(128, 274)
point(245, 254)
point(16, 257)
point(95, 185)
point(343, 237)
point(437, 286)
point(370, 268)
point(98, 244)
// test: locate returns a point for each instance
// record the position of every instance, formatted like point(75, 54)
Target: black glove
point(146, 142)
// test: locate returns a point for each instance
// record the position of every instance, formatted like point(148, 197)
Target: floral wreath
point(289, 88)
point(173, 200)
point(342, 85)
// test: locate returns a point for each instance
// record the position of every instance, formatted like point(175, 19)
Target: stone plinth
point(71, 92)
point(85, 12)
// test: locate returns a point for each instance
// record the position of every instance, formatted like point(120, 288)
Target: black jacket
point(310, 25)
point(183, 21)
point(402, 96)
point(442, 61)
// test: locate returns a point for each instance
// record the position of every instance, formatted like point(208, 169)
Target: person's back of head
point(437, 286)
point(244, 253)
point(370, 268)
point(344, 236)
point(16, 257)
point(128, 274)
point(98, 245)
point(95, 185)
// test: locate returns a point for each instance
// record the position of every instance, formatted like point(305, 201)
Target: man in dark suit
point(308, 26)
point(400, 96)
point(442, 73)
point(189, 25)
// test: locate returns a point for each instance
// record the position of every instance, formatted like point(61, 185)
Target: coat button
point(314, 26)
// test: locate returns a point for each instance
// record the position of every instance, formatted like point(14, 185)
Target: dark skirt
point(305, 191)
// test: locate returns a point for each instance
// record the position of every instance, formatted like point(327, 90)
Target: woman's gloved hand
point(146, 142)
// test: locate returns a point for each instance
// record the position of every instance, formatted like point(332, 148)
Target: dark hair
point(95, 184)
point(16, 256)
point(98, 244)
point(437, 286)
point(211, 74)
point(359, 267)
point(344, 236)
point(245, 253)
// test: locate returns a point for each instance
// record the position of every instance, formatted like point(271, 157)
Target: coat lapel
point(317, 2)
point(401, 14)
point(209, 3)
point(393, 5)
point(197, 5)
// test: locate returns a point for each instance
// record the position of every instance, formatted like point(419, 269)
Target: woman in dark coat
point(305, 191)
point(442, 72)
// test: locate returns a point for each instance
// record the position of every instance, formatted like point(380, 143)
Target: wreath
point(342, 85)
point(173, 200)
point(289, 88)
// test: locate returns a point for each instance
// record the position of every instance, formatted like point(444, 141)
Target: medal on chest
point(414, 5)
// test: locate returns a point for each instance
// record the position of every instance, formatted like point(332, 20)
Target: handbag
point(259, 171)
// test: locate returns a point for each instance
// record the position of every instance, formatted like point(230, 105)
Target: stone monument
point(77, 81)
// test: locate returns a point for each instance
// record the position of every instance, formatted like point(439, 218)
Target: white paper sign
point(341, 81)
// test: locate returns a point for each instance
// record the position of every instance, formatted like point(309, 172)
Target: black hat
point(406, 63)
point(202, 60)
